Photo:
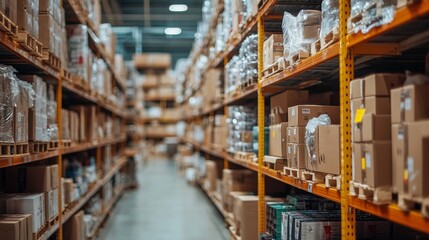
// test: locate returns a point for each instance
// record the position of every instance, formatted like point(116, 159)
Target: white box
point(33, 204)
point(51, 204)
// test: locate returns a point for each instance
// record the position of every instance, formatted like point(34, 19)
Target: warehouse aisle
point(165, 207)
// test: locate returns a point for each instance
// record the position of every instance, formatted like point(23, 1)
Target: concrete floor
point(164, 207)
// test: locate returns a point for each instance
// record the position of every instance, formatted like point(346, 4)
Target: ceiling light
point(172, 31)
point(178, 8)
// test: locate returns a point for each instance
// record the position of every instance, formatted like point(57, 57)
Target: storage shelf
point(81, 202)
point(160, 98)
point(392, 213)
point(213, 199)
point(403, 16)
point(166, 135)
point(161, 120)
point(305, 66)
point(34, 157)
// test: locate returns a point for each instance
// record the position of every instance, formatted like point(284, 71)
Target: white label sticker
point(410, 161)
point(293, 112)
point(305, 111)
point(288, 132)
point(407, 103)
point(294, 149)
point(368, 160)
point(294, 131)
point(402, 105)
point(288, 149)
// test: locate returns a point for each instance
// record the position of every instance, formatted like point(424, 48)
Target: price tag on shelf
point(310, 187)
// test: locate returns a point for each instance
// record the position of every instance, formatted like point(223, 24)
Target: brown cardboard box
point(375, 127)
point(25, 224)
point(376, 85)
point(281, 102)
point(298, 156)
point(154, 60)
point(220, 134)
point(324, 98)
point(398, 155)
point(91, 123)
point(296, 134)
point(237, 180)
point(357, 162)
point(38, 179)
point(301, 114)
point(74, 229)
point(278, 140)
point(247, 136)
point(375, 105)
point(65, 118)
point(247, 217)
point(233, 197)
point(51, 204)
point(81, 122)
point(413, 141)
point(54, 176)
point(273, 49)
point(11, 10)
point(376, 164)
point(10, 229)
point(413, 100)
point(327, 150)
point(211, 174)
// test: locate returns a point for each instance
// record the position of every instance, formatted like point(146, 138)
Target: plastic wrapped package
point(52, 114)
point(106, 37)
point(310, 131)
point(9, 91)
point(377, 13)
point(241, 121)
point(23, 102)
point(78, 50)
point(330, 16)
point(220, 38)
point(249, 64)
point(39, 117)
point(300, 32)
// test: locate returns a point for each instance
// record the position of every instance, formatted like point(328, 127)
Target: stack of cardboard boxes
point(273, 49)
point(410, 134)
point(51, 16)
point(37, 195)
point(371, 131)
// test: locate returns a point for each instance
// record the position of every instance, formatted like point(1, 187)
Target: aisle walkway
point(164, 207)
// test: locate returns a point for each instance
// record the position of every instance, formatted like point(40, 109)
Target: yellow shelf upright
point(60, 154)
point(348, 220)
point(261, 129)
point(226, 114)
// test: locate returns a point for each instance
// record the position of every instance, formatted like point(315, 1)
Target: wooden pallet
point(7, 26)
point(53, 145)
point(66, 143)
point(407, 203)
point(53, 221)
point(315, 47)
point(298, 57)
point(332, 37)
point(333, 181)
point(275, 163)
point(51, 60)
point(29, 43)
point(77, 80)
point(41, 231)
point(380, 195)
point(274, 68)
point(292, 172)
point(248, 83)
point(245, 156)
point(38, 147)
point(314, 177)
point(11, 149)
point(66, 75)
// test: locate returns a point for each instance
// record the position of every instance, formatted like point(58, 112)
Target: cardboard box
point(51, 204)
point(327, 149)
point(375, 105)
point(410, 148)
point(38, 179)
point(409, 103)
point(296, 134)
point(273, 49)
point(375, 127)
point(152, 60)
point(10, 230)
point(33, 204)
point(296, 155)
point(237, 180)
point(247, 217)
point(280, 103)
point(301, 114)
point(373, 160)
point(74, 229)
point(54, 176)
point(247, 136)
point(375, 85)
point(211, 175)
point(278, 140)
point(25, 224)
point(233, 198)
point(325, 98)
point(220, 134)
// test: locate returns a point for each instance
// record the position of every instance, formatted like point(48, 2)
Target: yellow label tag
point(363, 161)
point(405, 174)
point(359, 115)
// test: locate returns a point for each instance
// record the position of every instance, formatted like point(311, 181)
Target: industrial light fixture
point(172, 31)
point(178, 8)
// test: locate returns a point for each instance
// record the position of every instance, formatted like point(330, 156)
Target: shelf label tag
point(359, 115)
point(310, 187)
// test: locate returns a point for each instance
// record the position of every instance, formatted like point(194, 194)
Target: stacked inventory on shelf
point(62, 127)
point(338, 114)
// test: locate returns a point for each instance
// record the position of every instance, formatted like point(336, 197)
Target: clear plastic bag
point(310, 131)
point(330, 16)
point(9, 91)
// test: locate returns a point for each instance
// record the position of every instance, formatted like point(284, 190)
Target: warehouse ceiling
point(140, 25)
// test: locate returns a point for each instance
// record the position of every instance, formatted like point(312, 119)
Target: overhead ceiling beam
point(156, 17)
